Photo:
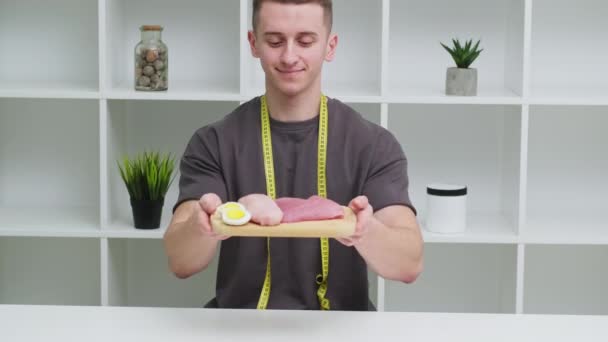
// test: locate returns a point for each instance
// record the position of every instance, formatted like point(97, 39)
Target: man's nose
point(289, 54)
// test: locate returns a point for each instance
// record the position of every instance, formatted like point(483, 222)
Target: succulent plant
point(463, 56)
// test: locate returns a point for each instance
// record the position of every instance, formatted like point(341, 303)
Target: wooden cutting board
point(343, 227)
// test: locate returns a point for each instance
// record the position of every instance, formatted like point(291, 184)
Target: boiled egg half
point(234, 214)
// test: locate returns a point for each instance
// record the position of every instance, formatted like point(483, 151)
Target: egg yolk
point(231, 205)
point(235, 214)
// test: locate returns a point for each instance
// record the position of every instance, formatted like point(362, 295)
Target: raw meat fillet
point(264, 211)
point(311, 209)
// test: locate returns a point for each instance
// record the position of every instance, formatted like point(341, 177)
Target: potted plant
point(462, 80)
point(147, 178)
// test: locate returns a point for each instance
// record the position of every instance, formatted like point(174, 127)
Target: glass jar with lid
point(151, 60)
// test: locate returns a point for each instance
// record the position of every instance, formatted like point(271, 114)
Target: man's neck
point(300, 107)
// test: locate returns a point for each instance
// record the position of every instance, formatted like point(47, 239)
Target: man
point(365, 169)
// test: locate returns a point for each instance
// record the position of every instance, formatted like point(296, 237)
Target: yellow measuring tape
point(321, 188)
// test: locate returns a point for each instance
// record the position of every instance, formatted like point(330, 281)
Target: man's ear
point(332, 44)
point(251, 38)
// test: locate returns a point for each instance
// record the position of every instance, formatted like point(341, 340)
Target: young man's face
point(292, 41)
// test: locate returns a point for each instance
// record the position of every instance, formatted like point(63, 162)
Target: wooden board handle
point(343, 227)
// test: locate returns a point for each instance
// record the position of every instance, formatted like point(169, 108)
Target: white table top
point(98, 323)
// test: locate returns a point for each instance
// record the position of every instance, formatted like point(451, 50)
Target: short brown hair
point(326, 4)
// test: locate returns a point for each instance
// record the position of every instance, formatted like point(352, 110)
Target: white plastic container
point(446, 208)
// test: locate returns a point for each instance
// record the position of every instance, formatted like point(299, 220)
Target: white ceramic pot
point(446, 208)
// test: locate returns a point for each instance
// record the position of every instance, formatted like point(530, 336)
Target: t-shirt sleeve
point(387, 181)
point(200, 168)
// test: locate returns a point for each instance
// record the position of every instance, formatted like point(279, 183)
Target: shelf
point(417, 60)
point(138, 125)
point(356, 67)
point(436, 95)
point(579, 26)
point(567, 280)
point(49, 271)
point(49, 184)
point(473, 145)
point(570, 227)
point(50, 90)
point(199, 51)
point(484, 228)
point(47, 44)
point(569, 96)
point(459, 278)
point(138, 275)
point(567, 174)
point(49, 222)
point(124, 228)
point(178, 90)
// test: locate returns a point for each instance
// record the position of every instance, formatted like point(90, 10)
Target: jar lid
point(151, 28)
point(446, 190)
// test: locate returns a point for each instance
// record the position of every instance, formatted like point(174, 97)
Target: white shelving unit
point(530, 146)
point(50, 49)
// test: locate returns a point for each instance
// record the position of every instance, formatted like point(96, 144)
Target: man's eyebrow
point(305, 33)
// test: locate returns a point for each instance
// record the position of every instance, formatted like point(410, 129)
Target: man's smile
point(290, 71)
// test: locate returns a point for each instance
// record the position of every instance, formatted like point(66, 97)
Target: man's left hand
point(364, 211)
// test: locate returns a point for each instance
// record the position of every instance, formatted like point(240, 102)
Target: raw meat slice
point(311, 209)
point(263, 209)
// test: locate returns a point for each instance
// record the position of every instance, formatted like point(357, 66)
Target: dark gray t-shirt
point(226, 158)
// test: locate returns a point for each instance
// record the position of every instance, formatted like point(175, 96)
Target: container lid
point(151, 28)
point(439, 189)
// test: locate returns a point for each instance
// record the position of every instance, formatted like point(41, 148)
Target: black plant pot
point(147, 213)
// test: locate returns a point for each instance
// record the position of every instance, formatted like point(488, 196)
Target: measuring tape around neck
point(322, 192)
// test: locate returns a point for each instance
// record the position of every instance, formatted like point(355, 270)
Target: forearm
point(189, 250)
point(393, 252)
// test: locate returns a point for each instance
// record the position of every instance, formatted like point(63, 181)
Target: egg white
point(236, 222)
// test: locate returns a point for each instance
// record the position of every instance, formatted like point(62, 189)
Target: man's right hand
point(190, 243)
point(207, 205)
